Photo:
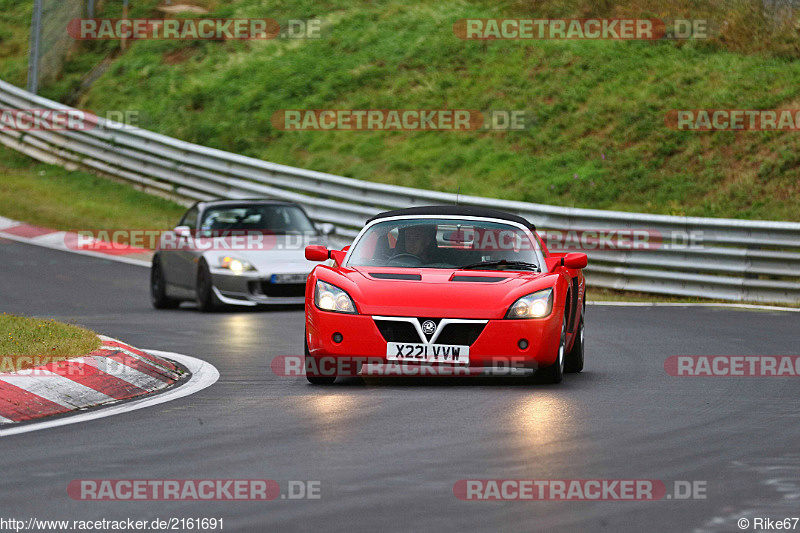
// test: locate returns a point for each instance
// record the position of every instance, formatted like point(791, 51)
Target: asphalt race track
point(387, 453)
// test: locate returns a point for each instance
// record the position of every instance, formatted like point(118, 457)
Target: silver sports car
point(235, 252)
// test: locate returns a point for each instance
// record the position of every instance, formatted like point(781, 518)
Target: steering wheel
point(403, 257)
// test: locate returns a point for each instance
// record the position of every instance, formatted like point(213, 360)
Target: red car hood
point(439, 292)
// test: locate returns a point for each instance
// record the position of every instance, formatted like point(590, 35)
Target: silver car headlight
point(535, 305)
point(235, 264)
point(331, 298)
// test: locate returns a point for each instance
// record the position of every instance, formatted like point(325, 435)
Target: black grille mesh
point(283, 290)
point(394, 331)
point(463, 334)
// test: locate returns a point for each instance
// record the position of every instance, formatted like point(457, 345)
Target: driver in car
point(420, 241)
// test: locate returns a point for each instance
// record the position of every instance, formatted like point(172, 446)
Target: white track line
point(203, 375)
point(63, 248)
point(689, 304)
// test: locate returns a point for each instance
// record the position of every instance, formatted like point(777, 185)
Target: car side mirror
point(338, 256)
point(576, 260)
point(552, 263)
point(326, 228)
point(183, 231)
point(316, 252)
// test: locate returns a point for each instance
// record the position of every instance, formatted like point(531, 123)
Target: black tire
point(158, 289)
point(573, 362)
point(555, 372)
point(206, 300)
point(314, 380)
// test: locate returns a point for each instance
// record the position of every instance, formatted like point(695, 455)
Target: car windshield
point(445, 243)
point(261, 217)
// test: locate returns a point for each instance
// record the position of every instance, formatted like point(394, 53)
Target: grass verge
point(52, 197)
point(28, 342)
point(598, 140)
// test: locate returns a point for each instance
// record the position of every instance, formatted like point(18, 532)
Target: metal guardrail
point(738, 260)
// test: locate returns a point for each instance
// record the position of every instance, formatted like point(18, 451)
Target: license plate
point(288, 278)
point(427, 353)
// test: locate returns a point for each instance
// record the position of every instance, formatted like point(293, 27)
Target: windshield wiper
point(502, 262)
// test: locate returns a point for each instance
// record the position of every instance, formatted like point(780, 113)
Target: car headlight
point(331, 298)
point(535, 305)
point(234, 264)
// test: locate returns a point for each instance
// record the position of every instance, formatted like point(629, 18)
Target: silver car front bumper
point(250, 290)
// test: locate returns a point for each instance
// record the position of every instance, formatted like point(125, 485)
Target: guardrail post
point(124, 43)
point(36, 39)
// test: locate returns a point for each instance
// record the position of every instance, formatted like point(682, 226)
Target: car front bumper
point(498, 345)
point(250, 290)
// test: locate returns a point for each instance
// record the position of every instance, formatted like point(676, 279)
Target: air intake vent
point(396, 275)
point(479, 279)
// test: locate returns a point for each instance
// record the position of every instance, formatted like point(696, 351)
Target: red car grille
point(461, 334)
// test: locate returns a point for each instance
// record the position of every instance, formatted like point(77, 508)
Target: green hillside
point(599, 138)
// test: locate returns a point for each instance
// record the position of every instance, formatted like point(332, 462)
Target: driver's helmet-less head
point(418, 240)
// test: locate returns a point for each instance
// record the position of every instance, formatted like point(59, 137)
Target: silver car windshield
point(445, 243)
point(273, 218)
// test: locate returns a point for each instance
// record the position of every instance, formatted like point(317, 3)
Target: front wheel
point(574, 359)
point(206, 299)
point(555, 372)
point(158, 289)
point(312, 369)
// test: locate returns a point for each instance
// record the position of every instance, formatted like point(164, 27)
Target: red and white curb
point(67, 241)
point(108, 375)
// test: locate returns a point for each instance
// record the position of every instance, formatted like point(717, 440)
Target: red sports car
point(446, 288)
